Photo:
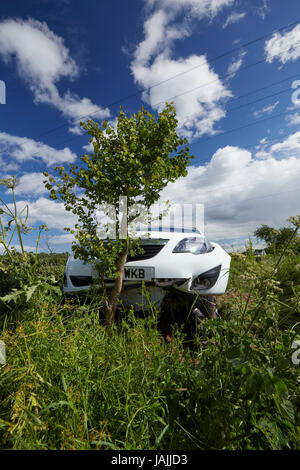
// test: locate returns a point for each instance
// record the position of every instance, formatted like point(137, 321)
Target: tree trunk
point(112, 301)
point(210, 306)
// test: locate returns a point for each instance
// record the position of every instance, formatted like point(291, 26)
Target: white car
point(175, 264)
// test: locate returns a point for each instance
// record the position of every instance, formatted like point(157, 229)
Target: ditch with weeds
point(68, 384)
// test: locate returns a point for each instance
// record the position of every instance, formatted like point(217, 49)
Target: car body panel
point(176, 270)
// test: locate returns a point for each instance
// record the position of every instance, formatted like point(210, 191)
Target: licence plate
point(138, 273)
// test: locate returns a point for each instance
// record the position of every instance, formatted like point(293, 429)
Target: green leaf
point(56, 405)
point(235, 356)
point(285, 408)
point(272, 433)
point(29, 291)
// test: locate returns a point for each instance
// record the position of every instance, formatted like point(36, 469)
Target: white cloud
point(293, 119)
point(8, 166)
point(89, 148)
point(234, 17)
point(241, 244)
point(196, 8)
point(153, 63)
point(198, 110)
point(41, 56)
point(65, 239)
point(24, 149)
point(17, 247)
point(157, 36)
point(76, 108)
point(262, 10)
point(290, 147)
point(236, 64)
point(43, 211)
point(51, 213)
point(42, 59)
point(161, 28)
point(284, 47)
point(241, 191)
point(31, 184)
point(266, 109)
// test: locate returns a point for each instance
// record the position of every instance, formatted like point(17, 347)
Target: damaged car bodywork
point(178, 265)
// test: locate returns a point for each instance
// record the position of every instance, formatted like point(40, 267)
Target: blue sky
point(61, 60)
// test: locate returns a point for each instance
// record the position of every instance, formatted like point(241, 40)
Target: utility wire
point(80, 135)
point(290, 77)
point(209, 138)
point(247, 44)
point(252, 123)
point(251, 93)
point(232, 109)
point(246, 67)
point(258, 197)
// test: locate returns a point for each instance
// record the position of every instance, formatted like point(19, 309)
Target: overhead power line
point(293, 76)
point(218, 57)
point(209, 138)
point(252, 123)
point(258, 197)
point(246, 67)
point(213, 136)
point(243, 46)
point(252, 92)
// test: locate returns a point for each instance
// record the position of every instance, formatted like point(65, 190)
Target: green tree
point(136, 161)
point(278, 238)
point(267, 234)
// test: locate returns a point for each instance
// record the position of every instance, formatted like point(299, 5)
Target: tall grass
point(67, 384)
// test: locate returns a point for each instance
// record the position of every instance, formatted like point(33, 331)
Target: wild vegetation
point(67, 384)
point(122, 178)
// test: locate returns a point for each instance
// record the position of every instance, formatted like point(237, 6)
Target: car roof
point(164, 232)
point(172, 229)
